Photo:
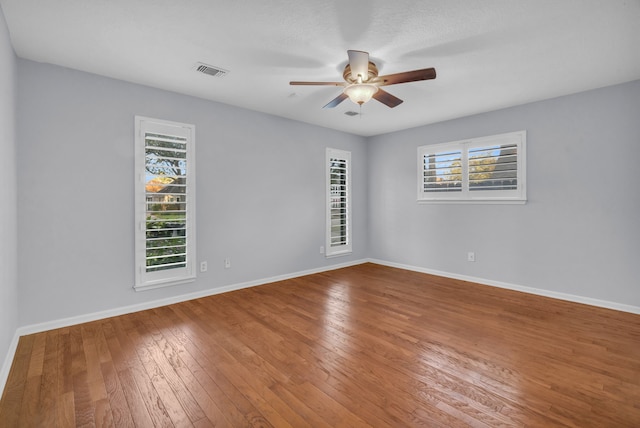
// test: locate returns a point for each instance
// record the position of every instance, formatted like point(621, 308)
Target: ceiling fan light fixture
point(362, 81)
point(360, 93)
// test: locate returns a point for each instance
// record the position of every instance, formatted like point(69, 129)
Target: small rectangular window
point(489, 169)
point(165, 203)
point(338, 202)
point(442, 171)
point(493, 167)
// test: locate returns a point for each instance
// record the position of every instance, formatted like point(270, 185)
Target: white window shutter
point(442, 171)
point(338, 202)
point(165, 203)
point(482, 170)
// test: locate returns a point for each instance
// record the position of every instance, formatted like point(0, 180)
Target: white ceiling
point(488, 54)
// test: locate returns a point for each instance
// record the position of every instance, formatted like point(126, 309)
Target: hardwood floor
point(362, 346)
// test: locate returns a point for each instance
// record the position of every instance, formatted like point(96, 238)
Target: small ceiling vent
point(211, 70)
point(351, 113)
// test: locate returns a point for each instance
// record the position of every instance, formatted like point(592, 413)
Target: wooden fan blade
point(407, 76)
point(318, 83)
point(387, 99)
point(337, 100)
point(359, 63)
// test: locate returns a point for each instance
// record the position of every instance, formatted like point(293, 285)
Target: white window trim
point(342, 249)
point(465, 196)
point(149, 280)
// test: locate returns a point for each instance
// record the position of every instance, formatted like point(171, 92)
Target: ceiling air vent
point(351, 113)
point(211, 70)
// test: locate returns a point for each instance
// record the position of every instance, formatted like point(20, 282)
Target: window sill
point(152, 286)
point(474, 201)
point(341, 253)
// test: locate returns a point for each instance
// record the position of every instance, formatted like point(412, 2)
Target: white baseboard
point(531, 290)
point(65, 322)
point(8, 360)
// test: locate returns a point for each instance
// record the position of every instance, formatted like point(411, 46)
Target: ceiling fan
point(361, 81)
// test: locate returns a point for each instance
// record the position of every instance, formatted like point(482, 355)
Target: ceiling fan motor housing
point(372, 71)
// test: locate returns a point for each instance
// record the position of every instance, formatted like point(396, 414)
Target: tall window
point(489, 169)
point(165, 203)
point(338, 202)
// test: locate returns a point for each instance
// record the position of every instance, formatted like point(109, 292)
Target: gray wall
point(579, 232)
point(260, 186)
point(8, 213)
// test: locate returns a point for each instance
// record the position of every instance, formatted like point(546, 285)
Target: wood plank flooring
point(361, 346)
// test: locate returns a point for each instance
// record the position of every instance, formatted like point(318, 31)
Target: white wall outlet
point(321, 249)
point(471, 256)
point(203, 266)
point(227, 263)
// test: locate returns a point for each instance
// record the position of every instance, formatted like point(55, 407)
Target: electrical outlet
point(227, 263)
point(471, 256)
point(203, 266)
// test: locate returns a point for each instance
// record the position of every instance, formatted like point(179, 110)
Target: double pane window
point(488, 169)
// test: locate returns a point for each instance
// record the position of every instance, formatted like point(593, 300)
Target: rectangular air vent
point(211, 70)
